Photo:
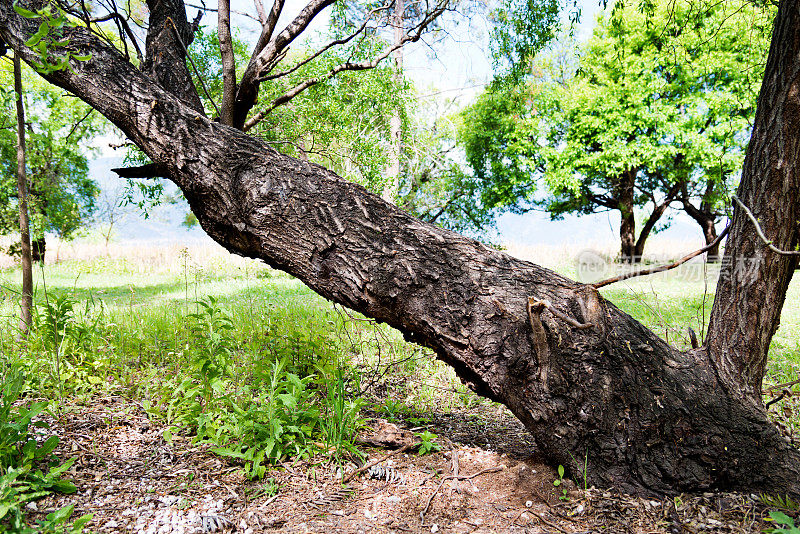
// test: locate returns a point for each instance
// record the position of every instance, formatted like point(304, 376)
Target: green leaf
point(60, 516)
point(21, 11)
point(41, 33)
point(781, 518)
point(47, 447)
point(79, 523)
point(63, 486)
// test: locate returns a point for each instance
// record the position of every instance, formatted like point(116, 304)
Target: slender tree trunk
point(710, 235)
point(395, 123)
point(228, 62)
point(647, 228)
point(753, 280)
point(627, 227)
point(26, 303)
point(607, 397)
point(706, 220)
point(38, 247)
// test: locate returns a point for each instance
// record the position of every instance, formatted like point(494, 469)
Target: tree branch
point(148, 170)
point(165, 46)
point(322, 50)
point(663, 268)
point(267, 50)
point(760, 232)
point(262, 15)
point(228, 62)
point(125, 27)
point(364, 65)
point(194, 67)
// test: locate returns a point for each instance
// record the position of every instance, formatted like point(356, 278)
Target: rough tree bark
point(754, 280)
point(646, 416)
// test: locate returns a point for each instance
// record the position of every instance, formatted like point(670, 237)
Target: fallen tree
point(590, 383)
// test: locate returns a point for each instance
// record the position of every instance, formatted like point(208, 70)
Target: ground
point(132, 480)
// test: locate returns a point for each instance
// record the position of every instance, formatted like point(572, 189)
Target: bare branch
point(663, 268)
point(325, 48)
point(267, 49)
point(125, 27)
point(760, 232)
point(228, 62)
point(75, 126)
point(272, 48)
point(262, 15)
point(364, 65)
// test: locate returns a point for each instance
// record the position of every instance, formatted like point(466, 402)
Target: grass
point(252, 362)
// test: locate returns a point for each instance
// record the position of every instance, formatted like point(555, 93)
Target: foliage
point(786, 522)
point(275, 413)
point(426, 444)
point(62, 196)
point(49, 40)
point(27, 470)
point(521, 29)
point(660, 96)
point(559, 483)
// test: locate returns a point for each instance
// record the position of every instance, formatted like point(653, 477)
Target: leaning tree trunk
point(706, 220)
point(645, 416)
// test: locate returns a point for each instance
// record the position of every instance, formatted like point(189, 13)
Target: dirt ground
point(484, 480)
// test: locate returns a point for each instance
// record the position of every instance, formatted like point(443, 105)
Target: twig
point(366, 466)
point(533, 302)
point(663, 268)
point(542, 519)
point(776, 399)
point(760, 232)
point(454, 477)
point(785, 385)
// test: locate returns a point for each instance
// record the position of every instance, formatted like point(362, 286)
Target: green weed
point(27, 470)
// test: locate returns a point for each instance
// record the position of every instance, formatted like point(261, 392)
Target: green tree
point(656, 110)
point(61, 193)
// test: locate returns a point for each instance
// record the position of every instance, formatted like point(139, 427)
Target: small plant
point(342, 415)
point(559, 483)
point(26, 469)
point(786, 522)
point(279, 422)
point(785, 503)
point(392, 409)
point(427, 445)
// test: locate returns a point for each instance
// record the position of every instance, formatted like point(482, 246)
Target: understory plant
point(28, 470)
point(259, 413)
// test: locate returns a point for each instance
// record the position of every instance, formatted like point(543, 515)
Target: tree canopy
point(655, 110)
point(61, 193)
